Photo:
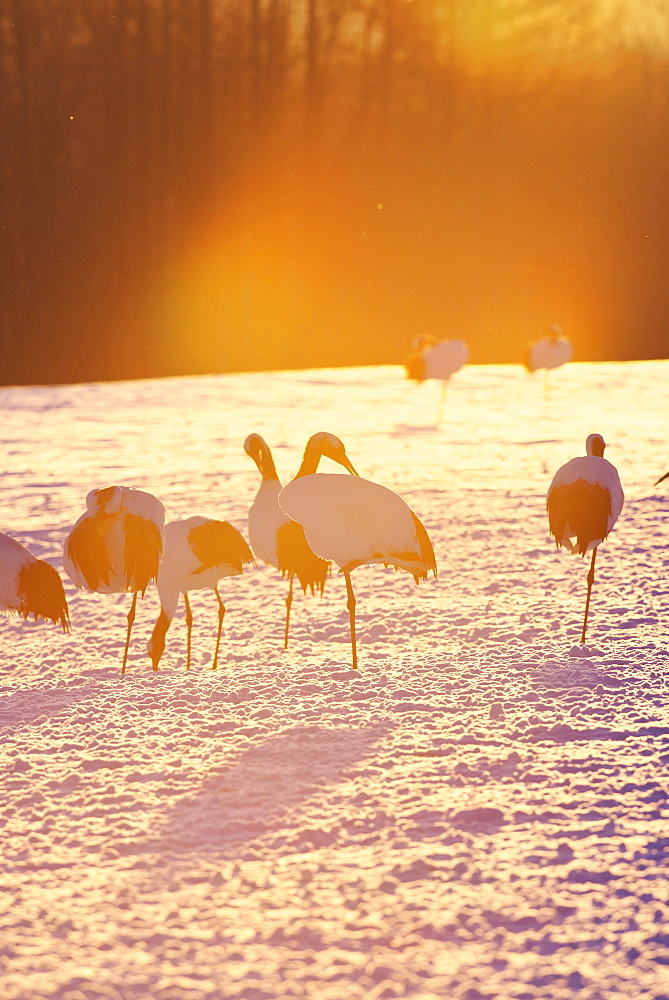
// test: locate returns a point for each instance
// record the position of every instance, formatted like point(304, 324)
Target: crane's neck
point(267, 466)
point(310, 461)
point(156, 645)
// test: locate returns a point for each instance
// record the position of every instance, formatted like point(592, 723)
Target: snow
point(479, 812)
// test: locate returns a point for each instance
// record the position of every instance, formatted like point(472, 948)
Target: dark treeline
point(212, 185)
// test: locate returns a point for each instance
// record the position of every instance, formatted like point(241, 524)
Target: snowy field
point(481, 811)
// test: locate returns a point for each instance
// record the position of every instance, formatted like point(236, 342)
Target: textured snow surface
point(480, 812)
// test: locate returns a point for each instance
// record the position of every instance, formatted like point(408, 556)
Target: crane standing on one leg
point(584, 502)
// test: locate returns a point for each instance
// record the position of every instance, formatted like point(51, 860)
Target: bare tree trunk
point(311, 79)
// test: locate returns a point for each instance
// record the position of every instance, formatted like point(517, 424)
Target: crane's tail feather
point(296, 558)
point(419, 562)
point(579, 510)
point(415, 367)
point(42, 594)
point(426, 549)
point(86, 550)
point(142, 553)
point(218, 543)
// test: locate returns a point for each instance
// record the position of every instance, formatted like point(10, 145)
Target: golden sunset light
point(221, 187)
point(334, 556)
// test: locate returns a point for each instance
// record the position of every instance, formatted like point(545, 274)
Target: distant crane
point(116, 545)
point(199, 551)
point(30, 586)
point(436, 359)
point(584, 502)
point(353, 521)
point(275, 538)
point(550, 352)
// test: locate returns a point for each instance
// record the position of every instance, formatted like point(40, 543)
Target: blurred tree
point(188, 184)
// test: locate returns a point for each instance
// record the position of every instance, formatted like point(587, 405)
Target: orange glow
point(568, 36)
point(225, 186)
point(517, 218)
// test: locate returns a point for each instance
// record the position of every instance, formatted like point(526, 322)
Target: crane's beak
point(349, 467)
point(662, 478)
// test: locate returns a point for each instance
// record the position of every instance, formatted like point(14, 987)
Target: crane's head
point(595, 445)
point(257, 448)
point(329, 446)
point(156, 644)
point(104, 501)
point(422, 341)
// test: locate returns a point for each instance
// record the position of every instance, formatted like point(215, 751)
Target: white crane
point(274, 537)
point(552, 351)
point(584, 502)
point(548, 353)
point(116, 545)
point(199, 551)
point(353, 521)
point(30, 586)
point(436, 359)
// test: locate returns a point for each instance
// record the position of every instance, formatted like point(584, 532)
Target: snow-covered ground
point(479, 812)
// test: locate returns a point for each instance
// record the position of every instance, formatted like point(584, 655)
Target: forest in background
point(214, 185)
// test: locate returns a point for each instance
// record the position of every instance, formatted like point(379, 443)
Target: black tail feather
point(296, 558)
point(42, 594)
point(143, 550)
point(87, 549)
point(218, 543)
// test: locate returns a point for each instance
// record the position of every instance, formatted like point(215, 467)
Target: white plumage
point(199, 551)
point(265, 514)
point(353, 521)
point(116, 545)
point(549, 352)
point(275, 538)
point(438, 359)
point(584, 501)
point(30, 586)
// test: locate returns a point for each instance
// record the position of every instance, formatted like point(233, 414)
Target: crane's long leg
point(221, 616)
point(131, 618)
point(350, 604)
point(442, 400)
point(289, 601)
point(189, 623)
point(591, 580)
